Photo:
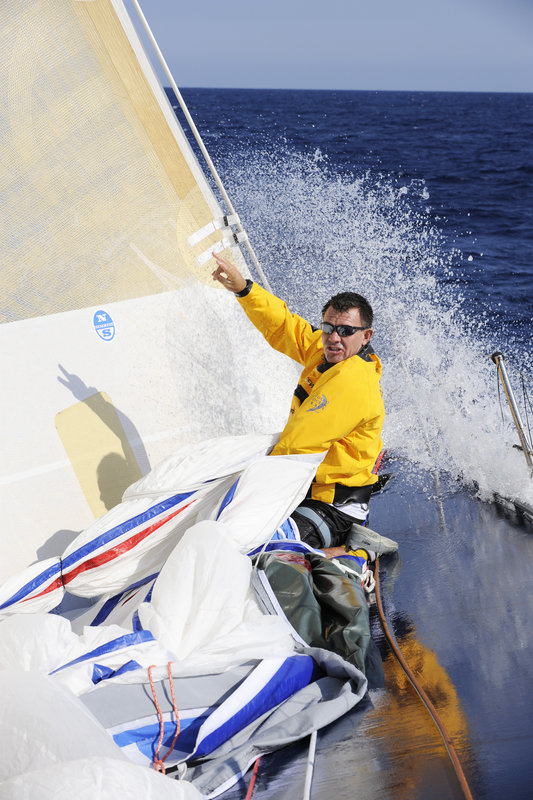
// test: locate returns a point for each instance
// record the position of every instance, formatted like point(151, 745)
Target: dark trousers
point(321, 524)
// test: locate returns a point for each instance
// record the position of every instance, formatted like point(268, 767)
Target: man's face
point(338, 348)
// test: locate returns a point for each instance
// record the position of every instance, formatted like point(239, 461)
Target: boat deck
point(457, 601)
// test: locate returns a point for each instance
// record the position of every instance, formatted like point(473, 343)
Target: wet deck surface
point(458, 600)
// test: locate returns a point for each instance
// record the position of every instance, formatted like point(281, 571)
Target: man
point(337, 406)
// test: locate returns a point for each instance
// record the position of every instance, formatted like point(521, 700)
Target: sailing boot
point(369, 540)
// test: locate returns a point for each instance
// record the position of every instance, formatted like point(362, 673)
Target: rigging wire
point(421, 693)
point(197, 136)
point(499, 396)
point(310, 766)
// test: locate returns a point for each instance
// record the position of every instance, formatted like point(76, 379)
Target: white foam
point(318, 232)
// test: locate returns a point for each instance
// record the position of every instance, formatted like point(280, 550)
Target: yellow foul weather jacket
point(337, 408)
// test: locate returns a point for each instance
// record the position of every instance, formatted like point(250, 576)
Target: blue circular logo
point(104, 325)
point(316, 403)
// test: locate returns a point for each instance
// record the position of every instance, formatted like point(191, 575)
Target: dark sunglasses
point(342, 330)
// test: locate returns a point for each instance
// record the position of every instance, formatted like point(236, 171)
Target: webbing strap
point(317, 520)
point(217, 224)
point(236, 238)
point(301, 393)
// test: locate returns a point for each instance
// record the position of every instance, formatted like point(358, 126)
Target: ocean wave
point(317, 232)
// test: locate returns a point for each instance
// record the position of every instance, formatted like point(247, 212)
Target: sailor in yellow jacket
point(337, 406)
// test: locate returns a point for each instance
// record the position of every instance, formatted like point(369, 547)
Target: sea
point(422, 202)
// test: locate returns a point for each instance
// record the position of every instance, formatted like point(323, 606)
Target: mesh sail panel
point(98, 188)
point(112, 353)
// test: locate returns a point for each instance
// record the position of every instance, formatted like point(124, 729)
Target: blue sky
point(446, 45)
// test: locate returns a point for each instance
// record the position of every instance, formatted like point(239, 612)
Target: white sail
point(102, 301)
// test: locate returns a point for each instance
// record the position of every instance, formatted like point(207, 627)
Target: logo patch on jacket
point(317, 403)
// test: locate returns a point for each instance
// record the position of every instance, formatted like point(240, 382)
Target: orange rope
point(158, 762)
point(454, 758)
point(252, 779)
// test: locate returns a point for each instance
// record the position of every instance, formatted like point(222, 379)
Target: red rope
point(379, 459)
point(158, 762)
point(252, 779)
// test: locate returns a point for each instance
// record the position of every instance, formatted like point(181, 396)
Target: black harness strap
point(301, 393)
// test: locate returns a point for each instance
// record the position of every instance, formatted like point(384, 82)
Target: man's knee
point(321, 525)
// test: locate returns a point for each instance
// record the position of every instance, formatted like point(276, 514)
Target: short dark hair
point(346, 300)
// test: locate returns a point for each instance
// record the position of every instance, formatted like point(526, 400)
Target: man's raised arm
point(228, 275)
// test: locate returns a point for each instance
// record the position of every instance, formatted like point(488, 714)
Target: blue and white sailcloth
point(134, 538)
point(173, 607)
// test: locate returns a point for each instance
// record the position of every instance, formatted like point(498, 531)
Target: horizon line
point(374, 91)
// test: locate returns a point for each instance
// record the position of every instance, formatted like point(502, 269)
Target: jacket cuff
point(246, 290)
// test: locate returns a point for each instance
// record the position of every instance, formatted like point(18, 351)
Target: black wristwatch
point(246, 290)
